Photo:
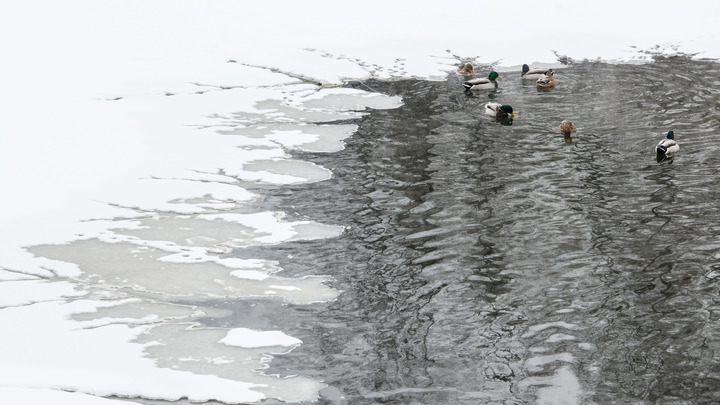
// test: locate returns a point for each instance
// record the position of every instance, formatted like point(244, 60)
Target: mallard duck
point(499, 110)
point(466, 69)
point(546, 80)
point(483, 84)
point(534, 74)
point(667, 147)
point(566, 128)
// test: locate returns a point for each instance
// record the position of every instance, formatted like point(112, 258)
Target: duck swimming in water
point(546, 80)
point(482, 83)
point(566, 128)
point(667, 147)
point(466, 69)
point(499, 111)
point(534, 74)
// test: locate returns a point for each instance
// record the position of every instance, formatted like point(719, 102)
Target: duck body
point(498, 110)
point(480, 83)
point(667, 147)
point(546, 80)
point(533, 74)
point(466, 69)
point(566, 127)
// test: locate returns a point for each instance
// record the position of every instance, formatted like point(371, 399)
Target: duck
point(546, 80)
point(667, 147)
point(483, 84)
point(534, 74)
point(566, 128)
point(466, 69)
point(500, 111)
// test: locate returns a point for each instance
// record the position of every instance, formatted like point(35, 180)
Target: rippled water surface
point(486, 263)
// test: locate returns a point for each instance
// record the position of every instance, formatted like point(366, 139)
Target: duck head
point(494, 75)
point(671, 135)
point(505, 115)
point(507, 110)
point(525, 69)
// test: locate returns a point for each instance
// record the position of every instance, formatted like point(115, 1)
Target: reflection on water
point(485, 263)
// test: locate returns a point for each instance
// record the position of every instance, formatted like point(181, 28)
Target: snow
point(47, 396)
point(249, 338)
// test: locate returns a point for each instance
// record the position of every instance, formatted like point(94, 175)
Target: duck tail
point(467, 85)
point(661, 151)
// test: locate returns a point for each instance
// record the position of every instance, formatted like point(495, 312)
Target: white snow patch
point(249, 338)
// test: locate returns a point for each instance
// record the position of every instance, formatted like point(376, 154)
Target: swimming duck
point(667, 147)
point(498, 110)
point(566, 128)
point(546, 80)
point(466, 69)
point(534, 74)
point(483, 84)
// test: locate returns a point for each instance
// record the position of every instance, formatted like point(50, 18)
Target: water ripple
point(501, 260)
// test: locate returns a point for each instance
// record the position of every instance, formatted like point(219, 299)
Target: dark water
point(491, 264)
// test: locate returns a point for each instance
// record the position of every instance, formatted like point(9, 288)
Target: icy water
point(496, 264)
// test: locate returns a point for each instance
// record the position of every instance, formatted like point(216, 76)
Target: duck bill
point(513, 115)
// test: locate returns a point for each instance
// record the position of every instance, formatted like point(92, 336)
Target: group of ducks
point(543, 78)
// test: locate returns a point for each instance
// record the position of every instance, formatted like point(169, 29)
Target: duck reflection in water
point(507, 120)
point(545, 89)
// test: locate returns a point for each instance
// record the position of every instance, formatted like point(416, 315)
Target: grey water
point(503, 264)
